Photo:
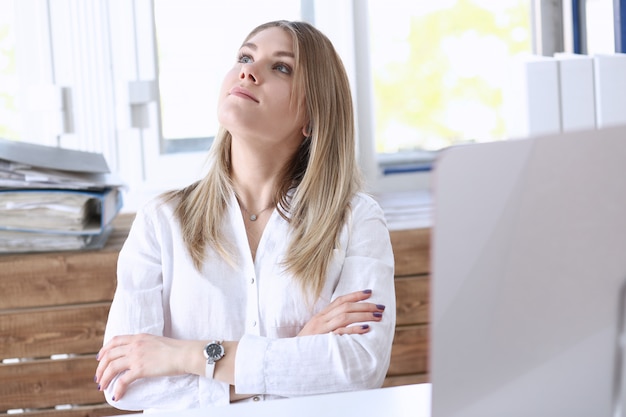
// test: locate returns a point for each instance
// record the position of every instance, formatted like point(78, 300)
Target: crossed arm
point(144, 355)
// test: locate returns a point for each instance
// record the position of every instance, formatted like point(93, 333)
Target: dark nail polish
point(377, 314)
point(99, 388)
point(367, 291)
point(365, 326)
point(113, 398)
point(95, 378)
point(380, 306)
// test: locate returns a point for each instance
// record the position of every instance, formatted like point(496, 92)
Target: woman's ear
point(307, 130)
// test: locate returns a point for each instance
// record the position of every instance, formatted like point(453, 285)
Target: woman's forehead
point(275, 38)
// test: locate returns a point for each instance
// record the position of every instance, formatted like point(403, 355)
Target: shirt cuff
point(250, 365)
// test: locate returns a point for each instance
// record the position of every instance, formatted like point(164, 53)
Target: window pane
point(9, 116)
point(439, 69)
point(197, 43)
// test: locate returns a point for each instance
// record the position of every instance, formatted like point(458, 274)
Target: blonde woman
point(272, 276)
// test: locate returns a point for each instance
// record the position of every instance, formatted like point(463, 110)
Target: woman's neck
point(255, 173)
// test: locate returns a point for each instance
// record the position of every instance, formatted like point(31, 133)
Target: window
point(439, 69)
point(196, 44)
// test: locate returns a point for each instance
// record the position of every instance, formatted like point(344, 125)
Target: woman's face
point(256, 94)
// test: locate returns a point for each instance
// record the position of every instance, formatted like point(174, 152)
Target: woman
point(269, 277)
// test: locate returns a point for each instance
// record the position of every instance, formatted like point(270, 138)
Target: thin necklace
point(252, 216)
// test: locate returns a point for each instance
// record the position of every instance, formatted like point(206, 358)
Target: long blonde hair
point(323, 173)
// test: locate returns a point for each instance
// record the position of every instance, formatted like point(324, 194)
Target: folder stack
point(54, 199)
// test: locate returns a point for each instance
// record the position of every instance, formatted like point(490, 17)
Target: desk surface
point(400, 401)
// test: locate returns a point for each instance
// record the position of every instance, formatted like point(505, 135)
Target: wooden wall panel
point(47, 383)
point(411, 249)
point(394, 381)
point(409, 357)
point(412, 295)
point(35, 333)
point(409, 354)
point(101, 410)
point(54, 279)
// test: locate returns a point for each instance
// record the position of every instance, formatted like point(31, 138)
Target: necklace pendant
point(252, 217)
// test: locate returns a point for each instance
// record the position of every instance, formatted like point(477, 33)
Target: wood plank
point(412, 299)
point(409, 353)
point(43, 332)
point(55, 279)
point(58, 278)
point(98, 410)
point(47, 383)
point(394, 381)
point(411, 249)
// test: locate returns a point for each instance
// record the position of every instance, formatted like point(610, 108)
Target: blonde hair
point(323, 173)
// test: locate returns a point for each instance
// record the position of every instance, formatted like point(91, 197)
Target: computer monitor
point(528, 265)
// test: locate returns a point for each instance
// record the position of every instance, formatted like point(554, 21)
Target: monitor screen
point(528, 264)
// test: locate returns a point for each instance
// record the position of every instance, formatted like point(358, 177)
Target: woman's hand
point(145, 355)
point(343, 312)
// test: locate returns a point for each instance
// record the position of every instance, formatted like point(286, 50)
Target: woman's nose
point(248, 71)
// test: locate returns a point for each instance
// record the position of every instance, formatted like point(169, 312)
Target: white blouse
point(257, 303)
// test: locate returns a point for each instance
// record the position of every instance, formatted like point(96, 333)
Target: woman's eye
point(285, 69)
point(245, 59)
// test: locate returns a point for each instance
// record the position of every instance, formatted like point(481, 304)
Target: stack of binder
point(54, 199)
point(565, 93)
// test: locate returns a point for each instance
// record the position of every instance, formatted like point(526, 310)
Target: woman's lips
point(242, 92)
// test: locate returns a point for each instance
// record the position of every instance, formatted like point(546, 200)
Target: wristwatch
point(213, 352)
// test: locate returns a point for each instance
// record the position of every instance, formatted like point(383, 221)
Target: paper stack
point(406, 209)
point(54, 199)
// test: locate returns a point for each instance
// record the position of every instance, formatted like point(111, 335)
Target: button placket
point(253, 306)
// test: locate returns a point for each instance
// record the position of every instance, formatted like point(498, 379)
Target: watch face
point(214, 351)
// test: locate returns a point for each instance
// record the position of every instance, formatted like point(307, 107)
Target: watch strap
point(209, 370)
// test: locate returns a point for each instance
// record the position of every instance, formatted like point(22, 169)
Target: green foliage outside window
point(450, 87)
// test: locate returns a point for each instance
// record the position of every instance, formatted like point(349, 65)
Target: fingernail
point(365, 326)
point(380, 306)
point(95, 378)
point(99, 388)
point(97, 356)
point(378, 314)
point(113, 398)
point(367, 291)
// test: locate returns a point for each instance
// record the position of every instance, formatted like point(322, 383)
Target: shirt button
point(252, 280)
point(253, 323)
point(256, 398)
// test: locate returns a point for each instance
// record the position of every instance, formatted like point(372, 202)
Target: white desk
point(401, 401)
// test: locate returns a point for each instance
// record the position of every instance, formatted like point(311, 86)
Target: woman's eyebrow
point(254, 47)
point(284, 53)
